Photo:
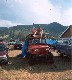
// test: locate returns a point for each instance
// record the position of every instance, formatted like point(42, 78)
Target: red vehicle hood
point(38, 46)
point(40, 49)
point(2, 53)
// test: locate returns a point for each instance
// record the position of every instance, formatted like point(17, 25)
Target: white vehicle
point(12, 42)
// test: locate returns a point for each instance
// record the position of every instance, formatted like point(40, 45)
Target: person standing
point(34, 31)
point(40, 31)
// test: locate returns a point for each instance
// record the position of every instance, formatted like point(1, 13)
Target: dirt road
point(19, 69)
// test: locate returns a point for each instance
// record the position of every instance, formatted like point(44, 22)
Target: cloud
point(44, 11)
point(68, 17)
point(39, 11)
point(6, 23)
point(19, 1)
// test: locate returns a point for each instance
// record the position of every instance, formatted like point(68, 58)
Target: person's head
point(39, 25)
point(34, 28)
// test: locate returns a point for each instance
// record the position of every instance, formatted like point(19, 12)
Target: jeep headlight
point(47, 49)
point(36, 50)
point(4, 55)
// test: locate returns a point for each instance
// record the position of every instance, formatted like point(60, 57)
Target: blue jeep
point(64, 47)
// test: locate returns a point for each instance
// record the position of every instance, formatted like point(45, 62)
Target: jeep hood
point(38, 46)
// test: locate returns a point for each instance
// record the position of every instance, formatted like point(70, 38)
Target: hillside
point(20, 31)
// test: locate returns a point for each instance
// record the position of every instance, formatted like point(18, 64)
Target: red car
point(3, 54)
point(37, 49)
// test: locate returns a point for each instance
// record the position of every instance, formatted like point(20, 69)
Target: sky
point(27, 12)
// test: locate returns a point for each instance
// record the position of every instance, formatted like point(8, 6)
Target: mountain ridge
point(20, 31)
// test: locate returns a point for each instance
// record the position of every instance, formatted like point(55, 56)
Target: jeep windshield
point(37, 41)
point(65, 42)
point(2, 48)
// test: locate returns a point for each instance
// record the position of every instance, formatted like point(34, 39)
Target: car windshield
point(37, 41)
point(2, 47)
point(12, 41)
point(65, 42)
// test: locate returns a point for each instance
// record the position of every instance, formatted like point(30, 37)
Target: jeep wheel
point(50, 58)
point(6, 63)
point(51, 61)
point(61, 54)
point(30, 60)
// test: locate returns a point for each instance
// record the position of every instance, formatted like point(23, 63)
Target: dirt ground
point(19, 69)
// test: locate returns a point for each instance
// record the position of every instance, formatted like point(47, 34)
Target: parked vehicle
point(3, 54)
point(64, 47)
point(11, 42)
point(18, 45)
point(15, 44)
point(37, 49)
